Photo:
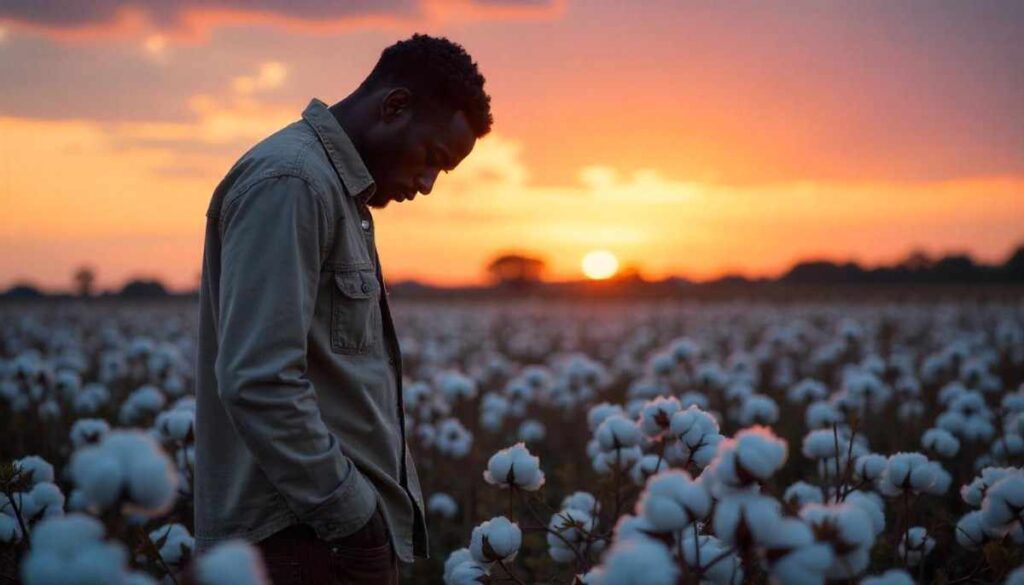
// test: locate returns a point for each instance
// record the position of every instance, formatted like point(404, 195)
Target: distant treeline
point(916, 269)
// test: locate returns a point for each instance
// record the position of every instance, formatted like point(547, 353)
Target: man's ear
point(397, 103)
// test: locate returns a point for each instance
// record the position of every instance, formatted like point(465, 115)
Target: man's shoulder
point(293, 151)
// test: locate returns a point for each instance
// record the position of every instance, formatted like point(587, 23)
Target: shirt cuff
point(348, 510)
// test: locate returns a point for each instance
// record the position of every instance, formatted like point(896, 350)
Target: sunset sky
point(691, 138)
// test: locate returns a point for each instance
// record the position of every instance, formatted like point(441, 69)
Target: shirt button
point(366, 224)
point(366, 287)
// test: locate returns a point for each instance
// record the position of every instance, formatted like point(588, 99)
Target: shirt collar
point(343, 154)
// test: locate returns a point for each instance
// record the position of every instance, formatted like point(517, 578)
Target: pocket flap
point(357, 284)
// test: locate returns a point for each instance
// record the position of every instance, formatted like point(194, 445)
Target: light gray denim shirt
point(299, 413)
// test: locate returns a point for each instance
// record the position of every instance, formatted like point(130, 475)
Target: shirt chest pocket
point(355, 311)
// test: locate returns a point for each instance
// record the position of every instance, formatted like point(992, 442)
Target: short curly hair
point(438, 71)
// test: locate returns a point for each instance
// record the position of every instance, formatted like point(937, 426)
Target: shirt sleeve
point(272, 237)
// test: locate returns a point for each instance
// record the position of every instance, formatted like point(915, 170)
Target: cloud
point(191, 20)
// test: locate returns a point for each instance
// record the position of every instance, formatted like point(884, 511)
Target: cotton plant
point(915, 545)
point(514, 467)
point(73, 546)
point(232, 562)
point(125, 467)
point(847, 531)
point(442, 505)
point(672, 502)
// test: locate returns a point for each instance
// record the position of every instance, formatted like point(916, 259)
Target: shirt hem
point(252, 536)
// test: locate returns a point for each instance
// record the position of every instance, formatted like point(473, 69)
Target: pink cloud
point(192, 20)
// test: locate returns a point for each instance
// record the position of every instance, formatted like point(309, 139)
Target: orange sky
point(686, 137)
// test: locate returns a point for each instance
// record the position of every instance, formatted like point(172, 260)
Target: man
point(300, 432)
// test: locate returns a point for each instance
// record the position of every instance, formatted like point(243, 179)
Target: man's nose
point(425, 182)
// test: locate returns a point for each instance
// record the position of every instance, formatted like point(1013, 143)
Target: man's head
point(417, 114)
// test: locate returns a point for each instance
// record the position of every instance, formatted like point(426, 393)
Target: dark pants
point(296, 556)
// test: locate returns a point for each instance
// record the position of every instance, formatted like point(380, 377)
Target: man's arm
point(272, 239)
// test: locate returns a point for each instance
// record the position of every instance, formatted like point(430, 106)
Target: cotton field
point(613, 443)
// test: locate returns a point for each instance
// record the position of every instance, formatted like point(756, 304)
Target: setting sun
point(600, 264)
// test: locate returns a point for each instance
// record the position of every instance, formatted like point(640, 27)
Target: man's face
point(415, 152)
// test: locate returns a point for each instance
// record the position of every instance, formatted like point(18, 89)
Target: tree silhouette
point(516, 270)
point(84, 278)
point(141, 288)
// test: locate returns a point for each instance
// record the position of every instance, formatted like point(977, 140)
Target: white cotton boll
point(623, 459)
point(514, 466)
point(758, 514)
point(47, 500)
point(656, 415)
point(807, 391)
point(98, 476)
point(91, 399)
point(820, 415)
point(821, 444)
point(1003, 506)
point(970, 531)
point(233, 562)
point(453, 439)
point(725, 570)
point(629, 526)
point(890, 577)
point(175, 424)
point(87, 431)
point(100, 563)
point(35, 467)
point(907, 472)
point(1008, 446)
point(647, 466)
point(467, 573)
point(72, 547)
point(792, 556)
point(639, 562)
point(871, 505)
point(567, 530)
point(974, 492)
point(497, 539)
point(531, 431)
point(916, 544)
point(954, 422)
point(697, 431)
point(126, 464)
point(848, 531)
point(758, 409)
point(143, 402)
point(870, 467)
point(759, 452)
point(10, 530)
point(152, 485)
point(443, 505)
point(617, 432)
point(694, 399)
point(977, 428)
point(177, 545)
point(584, 501)
point(491, 420)
point(672, 501)
point(801, 493)
point(454, 386)
point(940, 441)
point(806, 565)
point(456, 558)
